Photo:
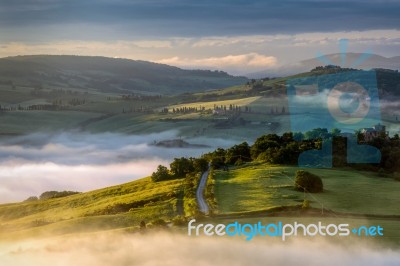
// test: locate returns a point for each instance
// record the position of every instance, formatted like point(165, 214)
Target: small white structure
point(371, 133)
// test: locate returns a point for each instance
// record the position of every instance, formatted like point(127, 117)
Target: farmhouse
point(371, 133)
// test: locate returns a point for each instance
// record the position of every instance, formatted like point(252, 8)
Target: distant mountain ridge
point(110, 74)
point(373, 61)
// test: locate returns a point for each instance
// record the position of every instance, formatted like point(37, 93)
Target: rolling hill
point(125, 205)
point(388, 82)
point(352, 60)
point(113, 75)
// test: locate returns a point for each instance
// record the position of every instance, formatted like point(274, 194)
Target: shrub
point(33, 198)
point(179, 221)
point(142, 225)
point(159, 222)
point(239, 162)
point(306, 204)
point(161, 174)
point(56, 194)
point(181, 166)
point(308, 182)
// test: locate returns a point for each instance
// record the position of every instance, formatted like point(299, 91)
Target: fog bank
point(167, 249)
point(30, 165)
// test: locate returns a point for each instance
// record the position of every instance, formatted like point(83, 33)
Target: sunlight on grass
point(253, 188)
point(210, 105)
point(258, 187)
point(131, 202)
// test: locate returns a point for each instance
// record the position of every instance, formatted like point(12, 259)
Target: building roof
point(368, 129)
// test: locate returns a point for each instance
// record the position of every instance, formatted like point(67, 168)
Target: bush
point(200, 165)
point(239, 162)
point(308, 182)
point(179, 221)
point(48, 195)
point(159, 222)
point(306, 204)
point(33, 198)
point(56, 194)
point(161, 174)
point(238, 152)
point(142, 225)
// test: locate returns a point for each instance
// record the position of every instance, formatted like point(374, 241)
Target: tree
point(263, 143)
point(298, 136)
point(217, 157)
point(269, 155)
point(317, 133)
point(200, 165)
point(308, 182)
point(335, 132)
point(287, 137)
point(161, 174)
point(48, 195)
point(241, 151)
point(181, 166)
point(288, 154)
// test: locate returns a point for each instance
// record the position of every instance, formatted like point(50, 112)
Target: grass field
point(24, 122)
point(210, 105)
point(229, 90)
point(266, 104)
point(253, 187)
point(259, 186)
point(119, 206)
point(124, 119)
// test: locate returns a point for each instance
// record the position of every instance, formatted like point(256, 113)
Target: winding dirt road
point(200, 193)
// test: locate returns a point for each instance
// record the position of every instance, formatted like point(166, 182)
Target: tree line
point(51, 195)
point(179, 168)
point(285, 149)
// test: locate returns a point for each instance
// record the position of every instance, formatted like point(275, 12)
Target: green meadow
point(119, 206)
point(258, 186)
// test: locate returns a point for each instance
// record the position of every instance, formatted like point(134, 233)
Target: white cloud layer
point(30, 165)
point(231, 63)
point(160, 248)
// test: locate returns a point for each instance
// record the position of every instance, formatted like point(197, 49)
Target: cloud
point(220, 41)
point(193, 18)
point(387, 37)
point(229, 62)
point(32, 164)
point(244, 60)
point(228, 53)
point(153, 44)
point(21, 180)
point(140, 49)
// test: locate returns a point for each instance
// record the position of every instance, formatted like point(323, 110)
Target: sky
point(237, 36)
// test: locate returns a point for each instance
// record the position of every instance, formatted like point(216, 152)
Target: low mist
point(175, 249)
point(32, 164)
